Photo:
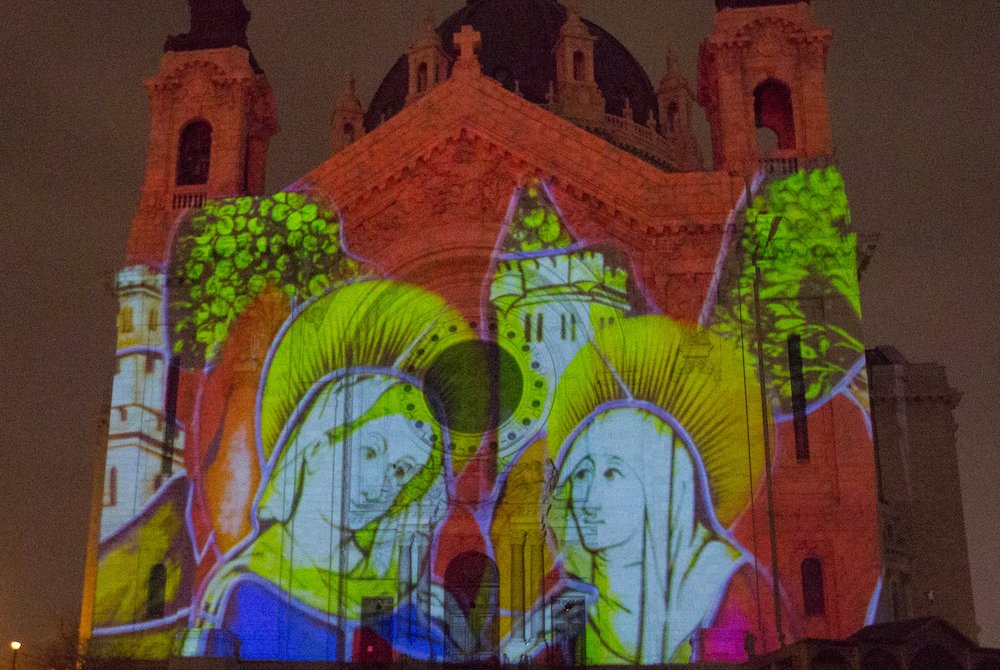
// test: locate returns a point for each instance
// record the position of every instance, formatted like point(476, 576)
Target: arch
point(673, 111)
point(156, 592)
point(934, 657)
point(772, 107)
point(829, 660)
point(472, 583)
point(813, 596)
point(194, 153)
point(579, 66)
point(880, 659)
point(422, 77)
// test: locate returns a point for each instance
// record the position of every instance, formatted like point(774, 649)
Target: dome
point(518, 44)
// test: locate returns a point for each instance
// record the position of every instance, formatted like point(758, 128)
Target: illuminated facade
point(511, 376)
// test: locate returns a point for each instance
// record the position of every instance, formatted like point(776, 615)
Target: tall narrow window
point(772, 106)
point(527, 328)
point(111, 488)
point(348, 133)
point(538, 327)
point(579, 66)
point(813, 601)
point(672, 112)
point(800, 421)
point(422, 78)
point(156, 596)
point(194, 154)
point(154, 320)
point(125, 318)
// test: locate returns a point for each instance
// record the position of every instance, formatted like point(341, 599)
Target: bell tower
point(762, 83)
point(212, 117)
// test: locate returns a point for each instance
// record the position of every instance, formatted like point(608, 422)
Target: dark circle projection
point(473, 386)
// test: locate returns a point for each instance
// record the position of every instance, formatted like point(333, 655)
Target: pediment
point(527, 142)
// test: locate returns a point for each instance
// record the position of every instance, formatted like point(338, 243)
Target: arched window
point(125, 319)
point(812, 587)
point(880, 659)
point(934, 657)
point(579, 66)
point(194, 153)
point(672, 113)
point(772, 106)
point(111, 488)
point(156, 592)
point(422, 78)
point(348, 132)
point(154, 320)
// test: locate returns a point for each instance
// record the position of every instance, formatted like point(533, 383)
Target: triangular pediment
point(537, 143)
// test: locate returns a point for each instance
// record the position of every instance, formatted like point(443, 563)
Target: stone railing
point(637, 138)
point(186, 199)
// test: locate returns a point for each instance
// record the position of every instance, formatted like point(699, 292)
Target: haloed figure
point(355, 485)
point(649, 454)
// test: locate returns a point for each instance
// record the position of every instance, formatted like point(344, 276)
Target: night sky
point(914, 94)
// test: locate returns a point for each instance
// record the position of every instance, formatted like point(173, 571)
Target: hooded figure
point(354, 478)
point(652, 458)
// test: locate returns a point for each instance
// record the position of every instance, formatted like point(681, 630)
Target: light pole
point(15, 647)
point(762, 380)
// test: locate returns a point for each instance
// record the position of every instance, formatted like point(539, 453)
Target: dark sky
point(915, 100)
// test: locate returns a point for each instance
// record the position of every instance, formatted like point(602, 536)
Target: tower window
point(194, 154)
point(154, 320)
point(156, 595)
point(813, 601)
point(422, 78)
point(772, 106)
point(348, 133)
point(672, 112)
point(579, 66)
point(798, 383)
point(125, 318)
point(111, 488)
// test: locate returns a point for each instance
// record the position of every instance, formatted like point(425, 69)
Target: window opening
point(194, 154)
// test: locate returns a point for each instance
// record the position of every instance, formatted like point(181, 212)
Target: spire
point(215, 24)
point(672, 77)
point(574, 23)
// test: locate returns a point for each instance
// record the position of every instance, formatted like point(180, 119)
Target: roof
point(518, 41)
point(215, 24)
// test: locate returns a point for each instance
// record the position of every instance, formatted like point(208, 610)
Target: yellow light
point(15, 645)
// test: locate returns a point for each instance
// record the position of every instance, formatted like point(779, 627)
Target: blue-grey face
point(607, 493)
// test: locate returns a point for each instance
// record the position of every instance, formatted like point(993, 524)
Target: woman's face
point(606, 494)
point(386, 454)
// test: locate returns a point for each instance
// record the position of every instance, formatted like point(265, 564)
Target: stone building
point(920, 499)
point(513, 376)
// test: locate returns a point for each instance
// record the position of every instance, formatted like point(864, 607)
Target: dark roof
point(518, 43)
point(898, 632)
point(744, 4)
point(215, 24)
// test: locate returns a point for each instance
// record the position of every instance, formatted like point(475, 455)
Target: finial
point(428, 32)
point(467, 39)
point(574, 23)
point(517, 86)
point(651, 120)
point(627, 110)
point(550, 95)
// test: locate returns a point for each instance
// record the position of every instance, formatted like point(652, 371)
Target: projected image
point(312, 458)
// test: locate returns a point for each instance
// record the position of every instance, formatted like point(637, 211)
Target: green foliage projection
point(535, 224)
point(809, 283)
point(231, 250)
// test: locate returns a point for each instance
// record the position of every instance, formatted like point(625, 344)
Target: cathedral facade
point(511, 377)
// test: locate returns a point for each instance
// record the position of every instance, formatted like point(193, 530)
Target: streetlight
point(15, 646)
